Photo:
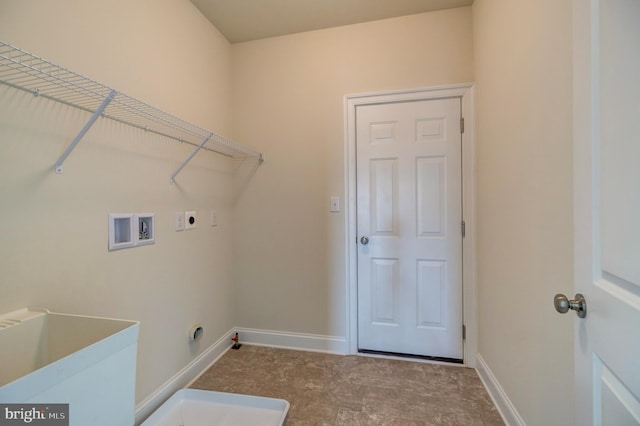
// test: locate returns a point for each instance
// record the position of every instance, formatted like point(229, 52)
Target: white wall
point(54, 227)
point(288, 99)
point(523, 68)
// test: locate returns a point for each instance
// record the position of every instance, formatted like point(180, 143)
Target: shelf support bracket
point(85, 129)
point(173, 176)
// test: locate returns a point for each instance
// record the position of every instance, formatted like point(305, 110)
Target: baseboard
point(277, 339)
point(498, 395)
point(184, 377)
point(296, 341)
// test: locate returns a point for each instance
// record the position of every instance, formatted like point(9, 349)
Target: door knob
point(364, 241)
point(563, 304)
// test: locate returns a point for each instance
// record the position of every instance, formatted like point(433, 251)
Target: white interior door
point(607, 210)
point(409, 214)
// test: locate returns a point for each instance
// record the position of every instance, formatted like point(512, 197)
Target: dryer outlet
point(190, 220)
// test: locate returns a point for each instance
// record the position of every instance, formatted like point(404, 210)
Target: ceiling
point(246, 20)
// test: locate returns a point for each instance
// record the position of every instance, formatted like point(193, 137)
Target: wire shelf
point(25, 71)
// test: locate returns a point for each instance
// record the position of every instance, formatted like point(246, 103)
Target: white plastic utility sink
point(191, 407)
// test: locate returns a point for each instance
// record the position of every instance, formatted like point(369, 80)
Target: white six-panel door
point(607, 210)
point(409, 212)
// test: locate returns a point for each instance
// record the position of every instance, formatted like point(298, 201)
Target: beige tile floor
point(353, 390)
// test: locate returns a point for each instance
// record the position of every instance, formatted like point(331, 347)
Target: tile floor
point(354, 390)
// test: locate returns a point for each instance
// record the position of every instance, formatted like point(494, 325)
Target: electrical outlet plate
point(190, 220)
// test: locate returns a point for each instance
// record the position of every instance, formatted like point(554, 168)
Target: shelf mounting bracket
point(198, 148)
point(85, 129)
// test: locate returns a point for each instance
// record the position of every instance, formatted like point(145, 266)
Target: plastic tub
point(191, 407)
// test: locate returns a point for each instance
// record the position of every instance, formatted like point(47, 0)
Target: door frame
point(465, 92)
point(585, 154)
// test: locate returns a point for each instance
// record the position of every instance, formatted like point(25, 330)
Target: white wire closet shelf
point(25, 71)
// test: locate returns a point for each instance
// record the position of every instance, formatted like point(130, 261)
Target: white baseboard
point(184, 377)
point(498, 395)
point(296, 341)
point(277, 339)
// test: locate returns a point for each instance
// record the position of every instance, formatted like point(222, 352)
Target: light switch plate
point(179, 221)
point(335, 204)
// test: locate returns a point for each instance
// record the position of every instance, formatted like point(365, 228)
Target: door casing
point(465, 92)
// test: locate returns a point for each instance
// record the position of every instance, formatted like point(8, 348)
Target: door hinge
point(461, 124)
point(464, 229)
point(464, 332)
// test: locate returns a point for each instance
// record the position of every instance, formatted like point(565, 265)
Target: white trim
point(466, 93)
point(184, 377)
point(295, 341)
point(502, 402)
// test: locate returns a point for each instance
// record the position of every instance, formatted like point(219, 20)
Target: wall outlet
point(179, 221)
point(190, 220)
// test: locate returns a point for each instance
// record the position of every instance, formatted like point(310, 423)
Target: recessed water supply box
point(146, 229)
point(131, 230)
point(86, 362)
point(121, 231)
